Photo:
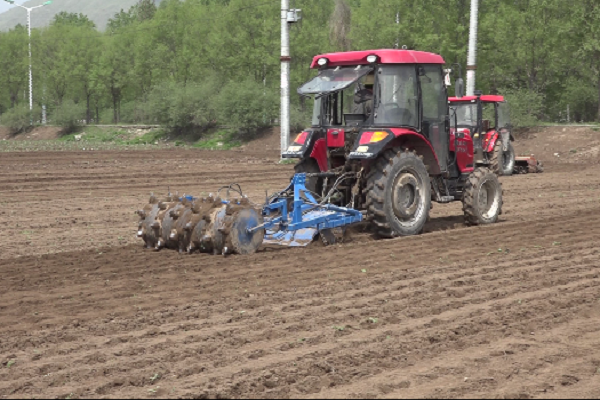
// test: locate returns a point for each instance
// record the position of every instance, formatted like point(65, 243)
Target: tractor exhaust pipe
point(472, 56)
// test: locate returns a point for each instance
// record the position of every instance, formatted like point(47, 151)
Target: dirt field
point(509, 310)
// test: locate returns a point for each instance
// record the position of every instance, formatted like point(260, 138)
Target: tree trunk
point(598, 61)
point(116, 97)
point(88, 115)
point(115, 115)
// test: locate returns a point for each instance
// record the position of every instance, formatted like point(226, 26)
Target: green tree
point(13, 64)
point(72, 19)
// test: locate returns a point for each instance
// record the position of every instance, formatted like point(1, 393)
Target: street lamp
point(29, 9)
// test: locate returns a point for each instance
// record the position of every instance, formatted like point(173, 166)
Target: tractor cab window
point(397, 98)
point(503, 116)
point(335, 92)
point(466, 115)
point(340, 108)
point(435, 106)
point(316, 118)
point(489, 116)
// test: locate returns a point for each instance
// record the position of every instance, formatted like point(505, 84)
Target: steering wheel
point(393, 112)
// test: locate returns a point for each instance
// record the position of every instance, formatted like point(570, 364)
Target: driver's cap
point(369, 79)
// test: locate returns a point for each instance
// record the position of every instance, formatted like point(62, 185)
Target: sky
point(5, 6)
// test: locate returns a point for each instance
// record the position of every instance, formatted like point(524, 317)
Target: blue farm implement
point(292, 217)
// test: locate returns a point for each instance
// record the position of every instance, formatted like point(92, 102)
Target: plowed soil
point(508, 310)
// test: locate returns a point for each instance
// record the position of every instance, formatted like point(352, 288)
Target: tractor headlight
point(322, 62)
point(372, 59)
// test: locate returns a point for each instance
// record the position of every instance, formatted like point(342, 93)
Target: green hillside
point(98, 11)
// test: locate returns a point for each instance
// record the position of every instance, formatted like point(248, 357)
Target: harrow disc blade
point(181, 234)
point(239, 239)
point(213, 239)
point(169, 240)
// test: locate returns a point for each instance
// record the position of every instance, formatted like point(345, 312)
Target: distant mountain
point(99, 11)
point(4, 6)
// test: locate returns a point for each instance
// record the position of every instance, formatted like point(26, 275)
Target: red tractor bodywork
point(384, 57)
point(461, 143)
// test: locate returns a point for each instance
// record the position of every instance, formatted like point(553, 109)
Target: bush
point(300, 120)
point(69, 115)
point(247, 106)
point(19, 118)
point(184, 108)
point(526, 106)
point(132, 112)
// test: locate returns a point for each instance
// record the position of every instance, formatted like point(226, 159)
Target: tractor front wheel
point(398, 194)
point(482, 199)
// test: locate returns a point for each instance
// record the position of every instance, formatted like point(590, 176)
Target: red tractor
point(383, 141)
point(487, 117)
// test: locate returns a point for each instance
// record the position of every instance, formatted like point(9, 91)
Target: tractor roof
point(385, 57)
point(486, 99)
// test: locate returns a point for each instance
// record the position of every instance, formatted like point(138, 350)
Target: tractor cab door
point(503, 125)
point(434, 122)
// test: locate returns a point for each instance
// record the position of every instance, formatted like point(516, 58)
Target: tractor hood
point(334, 80)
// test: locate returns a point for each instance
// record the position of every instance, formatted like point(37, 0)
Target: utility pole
point(472, 56)
point(397, 44)
point(284, 122)
point(287, 17)
point(29, 9)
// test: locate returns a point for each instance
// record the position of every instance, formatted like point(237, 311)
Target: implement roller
point(237, 226)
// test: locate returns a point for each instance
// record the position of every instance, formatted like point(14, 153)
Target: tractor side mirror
point(459, 88)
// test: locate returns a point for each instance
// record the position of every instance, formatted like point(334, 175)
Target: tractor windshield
point(466, 114)
point(333, 80)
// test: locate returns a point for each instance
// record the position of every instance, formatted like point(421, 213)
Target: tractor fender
point(397, 137)
point(490, 141)
point(319, 153)
point(310, 143)
point(493, 136)
point(414, 141)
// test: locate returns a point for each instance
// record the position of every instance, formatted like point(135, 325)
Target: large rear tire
point(398, 194)
point(503, 162)
point(482, 199)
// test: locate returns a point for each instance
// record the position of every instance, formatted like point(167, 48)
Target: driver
point(363, 99)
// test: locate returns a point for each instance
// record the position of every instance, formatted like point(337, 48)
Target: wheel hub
point(405, 201)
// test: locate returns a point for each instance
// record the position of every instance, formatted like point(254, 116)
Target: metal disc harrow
point(214, 225)
point(207, 225)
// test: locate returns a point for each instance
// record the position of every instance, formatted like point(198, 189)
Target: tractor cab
point(365, 100)
point(486, 118)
